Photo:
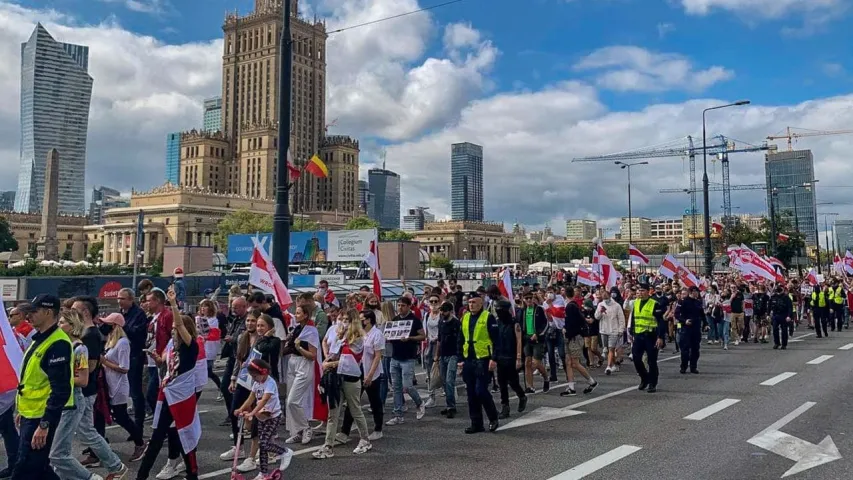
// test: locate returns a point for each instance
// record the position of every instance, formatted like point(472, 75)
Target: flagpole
point(281, 218)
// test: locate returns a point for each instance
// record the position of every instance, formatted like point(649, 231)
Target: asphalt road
point(735, 427)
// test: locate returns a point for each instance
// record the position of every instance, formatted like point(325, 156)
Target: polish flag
point(637, 256)
point(812, 277)
point(180, 392)
point(669, 267)
point(264, 276)
point(587, 277)
point(505, 285)
point(372, 261)
point(11, 355)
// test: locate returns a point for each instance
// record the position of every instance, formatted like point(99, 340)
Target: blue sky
point(535, 82)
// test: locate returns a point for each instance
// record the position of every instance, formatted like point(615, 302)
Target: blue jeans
point(386, 380)
point(89, 437)
point(713, 328)
point(725, 328)
point(153, 387)
point(429, 357)
point(403, 373)
point(33, 464)
point(448, 373)
point(560, 344)
point(62, 458)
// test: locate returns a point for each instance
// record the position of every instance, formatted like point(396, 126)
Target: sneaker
point(260, 476)
point(615, 369)
point(529, 390)
point(341, 438)
point(286, 458)
point(607, 371)
point(5, 473)
point(294, 439)
point(421, 411)
point(546, 386)
point(138, 453)
point(364, 446)
point(374, 436)
point(168, 472)
point(91, 461)
point(568, 393)
point(307, 435)
point(429, 403)
point(323, 453)
point(725, 347)
point(590, 388)
point(219, 397)
point(229, 454)
point(737, 342)
point(395, 421)
point(248, 465)
point(94, 476)
point(710, 342)
point(119, 475)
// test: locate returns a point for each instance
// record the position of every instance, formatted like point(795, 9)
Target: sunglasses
point(433, 302)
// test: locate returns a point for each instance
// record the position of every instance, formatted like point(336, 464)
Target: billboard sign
point(307, 247)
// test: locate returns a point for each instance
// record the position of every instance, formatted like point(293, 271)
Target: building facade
point(212, 120)
point(385, 189)
point(364, 197)
point(641, 228)
point(416, 218)
point(173, 158)
point(844, 236)
point(793, 169)
point(466, 182)
point(668, 228)
point(7, 201)
point(56, 92)
point(581, 229)
point(104, 198)
point(339, 192)
point(70, 234)
point(470, 241)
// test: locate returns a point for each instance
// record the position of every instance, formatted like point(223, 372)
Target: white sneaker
point(323, 453)
point(395, 421)
point(229, 454)
point(248, 465)
point(95, 476)
point(429, 403)
point(364, 446)
point(307, 435)
point(737, 342)
point(260, 476)
point(168, 472)
point(421, 411)
point(616, 368)
point(179, 465)
point(341, 438)
point(374, 436)
point(294, 439)
point(607, 371)
point(286, 457)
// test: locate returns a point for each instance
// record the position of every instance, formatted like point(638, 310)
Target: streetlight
point(709, 255)
point(627, 166)
point(550, 241)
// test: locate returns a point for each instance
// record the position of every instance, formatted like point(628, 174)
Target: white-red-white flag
point(372, 260)
point(505, 285)
point(848, 263)
point(179, 393)
point(587, 277)
point(733, 251)
point(754, 263)
point(717, 227)
point(838, 265)
point(607, 272)
point(637, 256)
point(11, 355)
point(812, 277)
point(264, 276)
point(776, 262)
point(669, 267)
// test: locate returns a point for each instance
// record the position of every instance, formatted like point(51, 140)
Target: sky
point(536, 83)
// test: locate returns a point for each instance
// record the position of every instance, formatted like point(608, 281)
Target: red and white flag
point(312, 404)
point(372, 261)
point(505, 285)
point(717, 227)
point(587, 277)
point(11, 355)
point(812, 277)
point(782, 237)
point(754, 263)
point(179, 393)
point(848, 263)
point(608, 274)
point(838, 265)
point(637, 256)
point(264, 276)
point(776, 262)
point(733, 251)
point(669, 267)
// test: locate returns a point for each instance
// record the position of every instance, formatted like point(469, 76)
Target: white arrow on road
point(541, 414)
point(806, 455)
point(800, 338)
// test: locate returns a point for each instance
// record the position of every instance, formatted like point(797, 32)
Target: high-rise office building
point(843, 236)
point(104, 198)
point(466, 181)
point(56, 92)
point(212, 120)
point(581, 229)
point(385, 189)
point(7, 201)
point(173, 158)
point(784, 170)
point(641, 228)
point(668, 228)
point(416, 218)
point(363, 196)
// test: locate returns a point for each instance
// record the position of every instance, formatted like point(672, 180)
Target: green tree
point(303, 225)
point(740, 233)
point(95, 250)
point(241, 221)
point(33, 251)
point(7, 239)
point(361, 223)
point(440, 261)
point(156, 268)
point(66, 255)
point(395, 235)
point(787, 250)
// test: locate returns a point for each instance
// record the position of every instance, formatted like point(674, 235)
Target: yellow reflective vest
point(644, 319)
point(838, 296)
point(819, 299)
point(482, 342)
point(35, 384)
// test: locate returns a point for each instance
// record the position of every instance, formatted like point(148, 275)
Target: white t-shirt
point(273, 406)
point(373, 342)
point(332, 339)
point(117, 383)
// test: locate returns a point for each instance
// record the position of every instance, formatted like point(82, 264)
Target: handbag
point(435, 380)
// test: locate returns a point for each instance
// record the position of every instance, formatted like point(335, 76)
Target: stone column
point(132, 246)
point(146, 247)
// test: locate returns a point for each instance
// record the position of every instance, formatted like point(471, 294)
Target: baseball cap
point(114, 319)
point(446, 307)
point(47, 301)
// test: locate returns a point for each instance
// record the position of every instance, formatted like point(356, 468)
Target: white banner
point(329, 278)
point(8, 289)
point(350, 245)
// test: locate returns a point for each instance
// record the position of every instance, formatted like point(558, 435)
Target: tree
point(7, 239)
point(440, 261)
point(740, 233)
point(156, 268)
point(361, 223)
point(304, 225)
point(395, 235)
point(95, 250)
point(33, 251)
point(787, 250)
point(241, 221)
point(66, 255)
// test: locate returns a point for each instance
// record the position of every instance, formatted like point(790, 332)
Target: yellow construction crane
point(790, 135)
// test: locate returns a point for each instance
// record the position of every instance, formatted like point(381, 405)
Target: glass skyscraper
point(213, 114)
point(385, 195)
point(56, 92)
point(788, 169)
point(843, 236)
point(173, 158)
point(466, 181)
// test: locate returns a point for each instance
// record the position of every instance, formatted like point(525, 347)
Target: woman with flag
point(302, 377)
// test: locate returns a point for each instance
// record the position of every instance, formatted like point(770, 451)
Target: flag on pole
point(812, 277)
point(264, 276)
point(776, 262)
point(782, 237)
point(587, 277)
point(848, 263)
point(294, 172)
point(372, 261)
point(669, 267)
point(637, 256)
point(317, 168)
point(838, 265)
point(505, 285)
point(717, 227)
point(607, 273)
point(11, 355)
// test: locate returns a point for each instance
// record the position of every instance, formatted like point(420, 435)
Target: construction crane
point(332, 124)
point(806, 133)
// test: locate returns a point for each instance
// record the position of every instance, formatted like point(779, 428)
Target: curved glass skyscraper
point(56, 91)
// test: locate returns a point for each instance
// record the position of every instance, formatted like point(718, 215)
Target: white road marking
point(778, 379)
point(849, 346)
point(224, 471)
point(712, 409)
point(819, 360)
point(597, 463)
point(800, 338)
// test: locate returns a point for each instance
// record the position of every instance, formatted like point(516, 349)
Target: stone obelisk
point(48, 247)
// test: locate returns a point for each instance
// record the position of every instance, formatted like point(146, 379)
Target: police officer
point(782, 311)
point(649, 330)
point(44, 391)
point(689, 316)
point(476, 348)
point(820, 307)
point(836, 293)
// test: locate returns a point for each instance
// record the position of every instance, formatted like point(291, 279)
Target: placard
point(398, 330)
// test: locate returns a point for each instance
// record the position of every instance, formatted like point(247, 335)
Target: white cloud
point(628, 68)
point(664, 29)
point(143, 6)
point(761, 8)
point(459, 35)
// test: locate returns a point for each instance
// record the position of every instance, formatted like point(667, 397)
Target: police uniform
point(476, 347)
point(44, 391)
point(648, 326)
point(836, 319)
point(820, 307)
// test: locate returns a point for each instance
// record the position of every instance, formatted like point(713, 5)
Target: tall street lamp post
point(627, 166)
point(706, 207)
point(281, 217)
